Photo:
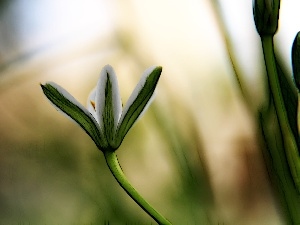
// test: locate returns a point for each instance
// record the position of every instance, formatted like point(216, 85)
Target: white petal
point(138, 102)
point(137, 90)
point(91, 103)
point(69, 97)
point(66, 103)
point(106, 72)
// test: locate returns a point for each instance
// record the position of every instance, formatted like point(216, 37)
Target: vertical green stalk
point(114, 166)
point(287, 165)
point(288, 138)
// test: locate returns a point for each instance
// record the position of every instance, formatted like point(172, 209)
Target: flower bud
point(266, 14)
point(296, 59)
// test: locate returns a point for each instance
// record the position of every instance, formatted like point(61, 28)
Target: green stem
point(288, 138)
point(286, 167)
point(114, 166)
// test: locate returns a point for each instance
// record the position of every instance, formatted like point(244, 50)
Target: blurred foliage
point(275, 131)
point(270, 130)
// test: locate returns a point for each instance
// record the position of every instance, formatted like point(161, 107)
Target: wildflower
point(104, 120)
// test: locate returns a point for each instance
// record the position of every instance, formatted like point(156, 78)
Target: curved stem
point(114, 166)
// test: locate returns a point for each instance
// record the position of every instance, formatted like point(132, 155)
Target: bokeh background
point(194, 155)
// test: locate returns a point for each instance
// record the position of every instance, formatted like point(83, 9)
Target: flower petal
point(138, 101)
point(91, 107)
point(108, 102)
point(72, 108)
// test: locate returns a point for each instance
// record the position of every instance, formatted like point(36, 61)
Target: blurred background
point(194, 155)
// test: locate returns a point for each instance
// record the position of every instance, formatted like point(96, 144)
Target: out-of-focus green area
point(194, 155)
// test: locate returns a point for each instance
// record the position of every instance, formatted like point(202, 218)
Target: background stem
point(114, 166)
point(283, 152)
point(288, 138)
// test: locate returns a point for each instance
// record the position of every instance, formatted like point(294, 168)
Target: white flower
point(104, 120)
